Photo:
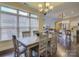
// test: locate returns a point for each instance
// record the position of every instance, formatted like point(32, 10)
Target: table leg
point(27, 52)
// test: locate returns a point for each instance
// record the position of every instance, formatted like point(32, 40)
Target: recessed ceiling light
point(72, 12)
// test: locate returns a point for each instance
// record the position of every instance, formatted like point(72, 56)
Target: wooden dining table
point(29, 42)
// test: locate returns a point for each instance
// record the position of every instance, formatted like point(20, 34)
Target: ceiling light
point(45, 7)
point(47, 4)
point(40, 5)
point(50, 7)
point(40, 10)
point(72, 12)
point(46, 10)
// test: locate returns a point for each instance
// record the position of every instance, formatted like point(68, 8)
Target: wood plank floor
point(61, 52)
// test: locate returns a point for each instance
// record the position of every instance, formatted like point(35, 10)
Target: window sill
point(5, 40)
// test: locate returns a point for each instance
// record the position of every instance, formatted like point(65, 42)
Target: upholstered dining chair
point(53, 44)
point(26, 34)
point(43, 42)
point(18, 50)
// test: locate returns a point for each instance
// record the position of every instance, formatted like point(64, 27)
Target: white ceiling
point(35, 4)
point(68, 9)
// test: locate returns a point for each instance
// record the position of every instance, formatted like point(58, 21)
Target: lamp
point(45, 7)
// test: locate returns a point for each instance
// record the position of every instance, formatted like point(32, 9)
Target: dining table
point(29, 42)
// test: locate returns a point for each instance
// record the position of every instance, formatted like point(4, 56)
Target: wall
point(74, 22)
point(41, 22)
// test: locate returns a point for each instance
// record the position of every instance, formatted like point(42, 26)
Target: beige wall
point(41, 23)
point(8, 44)
point(74, 22)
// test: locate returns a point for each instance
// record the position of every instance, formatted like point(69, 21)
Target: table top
point(28, 40)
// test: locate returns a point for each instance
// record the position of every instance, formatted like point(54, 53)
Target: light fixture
point(40, 6)
point(41, 10)
point(51, 7)
point(47, 4)
point(45, 7)
point(46, 10)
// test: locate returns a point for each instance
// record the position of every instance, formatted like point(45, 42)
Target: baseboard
point(6, 51)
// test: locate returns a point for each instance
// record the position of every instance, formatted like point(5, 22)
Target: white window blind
point(34, 22)
point(34, 25)
point(8, 26)
point(23, 24)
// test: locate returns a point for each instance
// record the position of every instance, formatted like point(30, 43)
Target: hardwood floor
point(61, 52)
point(7, 53)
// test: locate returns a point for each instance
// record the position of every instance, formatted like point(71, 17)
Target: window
point(34, 25)
point(8, 23)
point(33, 15)
point(23, 24)
point(34, 22)
point(8, 26)
point(23, 13)
point(10, 10)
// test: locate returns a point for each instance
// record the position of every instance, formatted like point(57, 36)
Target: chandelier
point(45, 7)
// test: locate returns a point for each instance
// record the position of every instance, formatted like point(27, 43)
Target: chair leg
point(14, 54)
point(25, 54)
point(17, 55)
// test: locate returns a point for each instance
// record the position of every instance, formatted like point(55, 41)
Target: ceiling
point(34, 5)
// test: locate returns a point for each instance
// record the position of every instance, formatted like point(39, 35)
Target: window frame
point(17, 16)
point(33, 15)
point(7, 8)
point(22, 14)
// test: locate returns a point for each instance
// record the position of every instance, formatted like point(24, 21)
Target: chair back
point(53, 43)
point(26, 34)
point(43, 42)
point(15, 43)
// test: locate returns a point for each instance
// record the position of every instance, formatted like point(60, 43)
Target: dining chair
point(26, 34)
point(53, 44)
point(18, 48)
point(43, 41)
